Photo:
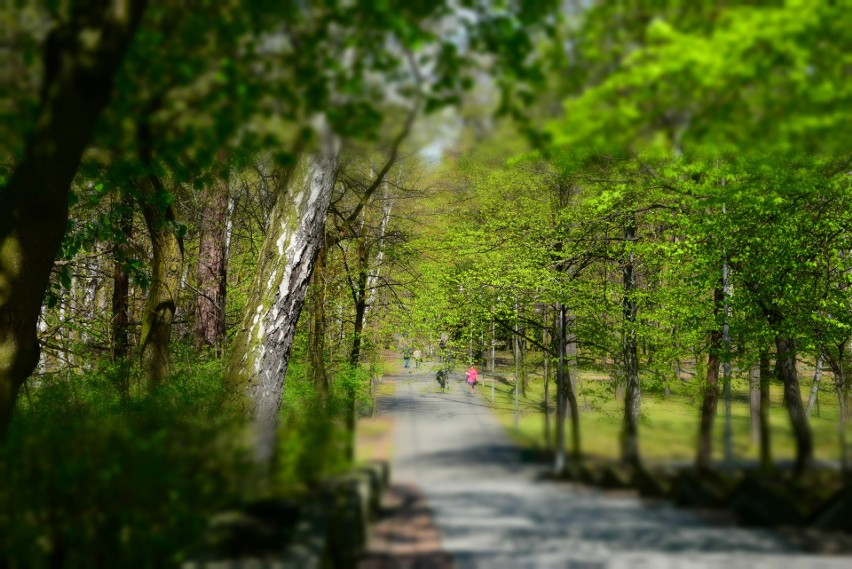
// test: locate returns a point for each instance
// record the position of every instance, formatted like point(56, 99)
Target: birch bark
point(261, 349)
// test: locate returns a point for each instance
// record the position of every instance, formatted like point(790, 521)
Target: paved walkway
point(452, 460)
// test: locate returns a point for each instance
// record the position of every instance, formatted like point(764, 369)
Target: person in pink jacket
point(472, 376)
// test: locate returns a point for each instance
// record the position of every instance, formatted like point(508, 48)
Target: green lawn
point(668, 426)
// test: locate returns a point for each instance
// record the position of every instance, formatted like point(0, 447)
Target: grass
point(668, 425)
point(374, 439)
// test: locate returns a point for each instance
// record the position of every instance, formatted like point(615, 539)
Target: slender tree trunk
point(261, 349)
point(754, 403)
point(630, 358)
point(704, 454)
point(786, 367)
point(839, 369)
point(548, 436)
point(120, 321)
point(766, 464)
point(814, 394)
point(317, 332)
point(559, 455)
point(166, 269)
point(373, 279)
point(211, 271)
point(360, 297)
point(359, 294)
point(522, 366)
point(839, 383)
point(77, 85)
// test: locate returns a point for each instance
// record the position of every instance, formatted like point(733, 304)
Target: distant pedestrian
point(441, 378)
point(472, 377)
point(406, 356)
point(418, 358)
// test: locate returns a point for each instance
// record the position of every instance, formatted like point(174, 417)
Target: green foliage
point(710, 77)
point(91, 478)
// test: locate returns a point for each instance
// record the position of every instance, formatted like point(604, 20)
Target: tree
point(81, 59)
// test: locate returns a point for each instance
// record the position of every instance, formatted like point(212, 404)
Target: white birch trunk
point(373, 277)
point(812, 399)
point(261, 349)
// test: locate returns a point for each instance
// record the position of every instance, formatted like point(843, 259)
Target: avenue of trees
point(215, 217)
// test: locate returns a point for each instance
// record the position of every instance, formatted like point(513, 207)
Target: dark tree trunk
point(359, 297)
point(566, 395)
point(545, 341)
point(559, 454)
point(120, 321)
point(786, 367)
point(211, 271)
point(630, 359)
point(765, 403)
point(78, 79)
point(317, 332)
point(261, 348)
point(704, 454)
point(754, 403)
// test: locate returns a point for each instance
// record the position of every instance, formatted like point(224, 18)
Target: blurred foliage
point(90, 478)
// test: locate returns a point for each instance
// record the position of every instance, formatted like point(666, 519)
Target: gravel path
point(493, 510)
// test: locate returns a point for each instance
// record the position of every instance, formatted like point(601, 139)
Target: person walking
point(472, 377)
point(406, 356)
point(418, 358)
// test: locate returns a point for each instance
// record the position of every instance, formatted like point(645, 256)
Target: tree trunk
point(78, 77)
point(786, 367)
point(765, 403)
point(211, 270)
point(839, 384)
point(836, 361)
point(754, 403)
point(359, 293)
point(261, 349)
point(704, 454)
point(548, 436)
point(559, 454)
point(120, 321)
point(166, 269)
point(317, 332)
point(812, 398)
point(630, 358)
point(359, 297)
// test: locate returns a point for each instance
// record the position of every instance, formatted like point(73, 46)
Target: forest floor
point(462, 496)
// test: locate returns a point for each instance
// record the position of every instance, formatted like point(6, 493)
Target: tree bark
point(566, 396)
point(814, 394)
point(839, 385)
point(211, 270)
point(754, 403)
point(81, 58)
point(166, 269)
point(120, 321)
point(548, 436)
point(317, 332)
point(786, 368)
point(630, 358)
point(765, 402)
point(359, 298)
point(559, 454)
point(261, 349)
point(359, 294)
point(704, 454)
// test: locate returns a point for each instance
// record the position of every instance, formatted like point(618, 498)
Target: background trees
point(666, 212)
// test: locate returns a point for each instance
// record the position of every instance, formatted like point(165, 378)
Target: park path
point(463, 498)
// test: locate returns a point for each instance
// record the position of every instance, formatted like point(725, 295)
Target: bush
point(91, 478)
